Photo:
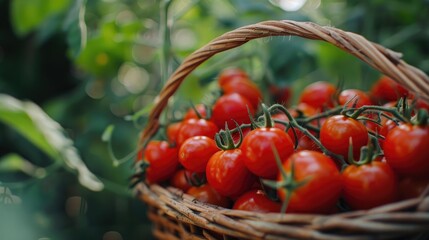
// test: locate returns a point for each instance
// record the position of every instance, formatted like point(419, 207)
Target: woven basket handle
point(382, 59)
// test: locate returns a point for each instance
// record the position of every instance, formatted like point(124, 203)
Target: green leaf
point(36, 126)
point(27, 15)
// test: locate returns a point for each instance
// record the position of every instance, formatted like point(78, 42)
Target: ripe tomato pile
point(336, 150)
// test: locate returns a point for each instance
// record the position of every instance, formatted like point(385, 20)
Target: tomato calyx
point(224, 139)
point(421, 118)
point(367, 153)
point(195, 179)
point(288, 181)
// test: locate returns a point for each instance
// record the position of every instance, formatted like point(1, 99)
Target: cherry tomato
point(229, 74)
point(258, 148)
point(336, 132)
point(354, 96)
point(420, 103)
point(162, 159)
point(196, 127)
point(385, 129)
point(245, 88)
point(255, 200)
point(318, 95)
point(192, 114)
point(207, 194)
point(322, 187)
point(369, 185)
point(406, 149)
point(412, 187)
point(231, 107)
point(180, 181)
point(386, 89)
point(227, 173)
point(280, 95)
point(196, 151)
point(172, 131)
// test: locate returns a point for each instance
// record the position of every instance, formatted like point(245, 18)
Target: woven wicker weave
point(178, 216)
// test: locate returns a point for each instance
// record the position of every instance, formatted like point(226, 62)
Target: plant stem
point(166, 43)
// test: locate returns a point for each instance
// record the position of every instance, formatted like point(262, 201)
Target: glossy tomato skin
point(245, 88)
point(406, 149)
point(323, 187)
point(228, 175)
point(257, 147)
point(172, 131)
point(318, 95)
point(354, 96)
point(385, 128)
point(163, 161)
point(231, 107)
point(230, 74)
point(196, 127)
point(256, 200)
point(369, 185)
point(207, 194)
point(195, 152)
point(336, 132)
point(386, 89)
point(201, 109)
point(179, 180)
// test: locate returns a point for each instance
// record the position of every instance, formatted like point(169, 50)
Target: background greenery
point(70, 69)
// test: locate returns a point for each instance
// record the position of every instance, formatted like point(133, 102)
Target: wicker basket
point(176, 215)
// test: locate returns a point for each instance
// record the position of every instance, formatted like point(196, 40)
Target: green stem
point(165, 38)
point(359, 111)
point(338, 158)
point(324, 114)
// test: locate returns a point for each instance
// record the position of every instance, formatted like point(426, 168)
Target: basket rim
point(404, 217)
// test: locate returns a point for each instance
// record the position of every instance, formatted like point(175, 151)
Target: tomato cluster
point(336, 150)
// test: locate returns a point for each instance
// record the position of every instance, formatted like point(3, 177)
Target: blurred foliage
point(88, 65)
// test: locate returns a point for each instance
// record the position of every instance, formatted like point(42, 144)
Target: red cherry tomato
point(318, 95)
point(420, 103)
point(162, 159)
point(406, 149)
point(180, 181)
point(255, 200)
point(227, 173)
point(207, 194)
point(231, 107)
point(172, 131)
point(280, 95)
point(369, 185)
point(245, 88)
point(192, 114)
point(336, 132)
point(412, 187)
point(196, 127)
point(385, 129)
point(229, 74)
point(354, 96)
point(196, 151)
point(386, 89)
point(322, 187)
point(257, 146)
